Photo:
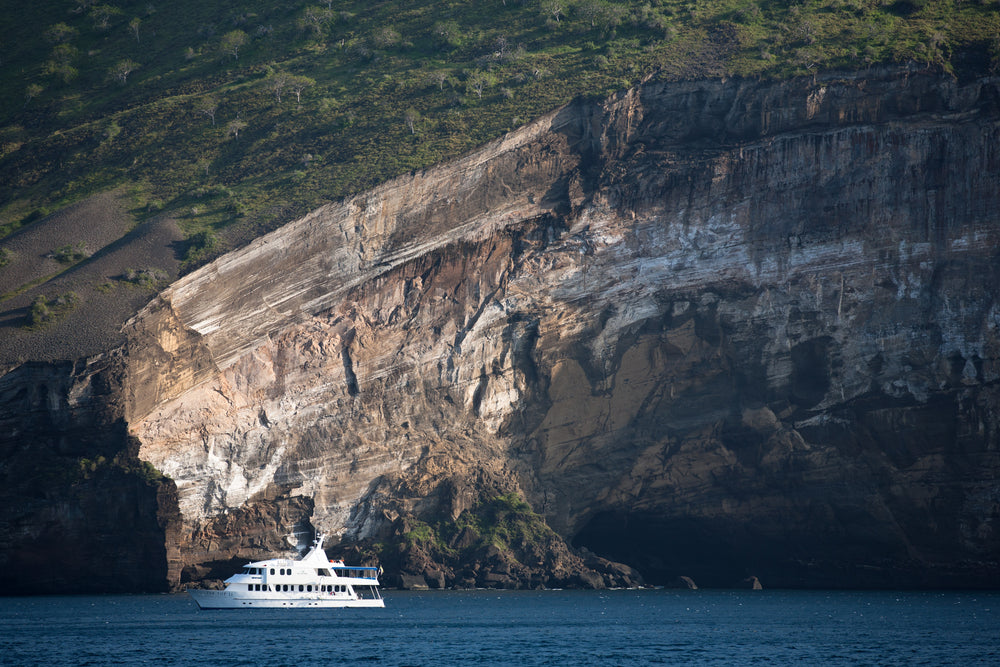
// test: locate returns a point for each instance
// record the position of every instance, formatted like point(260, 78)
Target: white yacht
point(312, 581)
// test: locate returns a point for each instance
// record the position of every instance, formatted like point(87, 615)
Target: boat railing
point(356, 572)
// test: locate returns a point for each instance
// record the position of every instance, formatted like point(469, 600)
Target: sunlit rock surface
point(710, 329)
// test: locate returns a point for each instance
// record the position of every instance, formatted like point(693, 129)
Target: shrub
point(148, 278)
point(200, 246)
point(46, 310)
point(69, 253)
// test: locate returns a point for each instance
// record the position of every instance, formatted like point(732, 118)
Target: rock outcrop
point(709, 329)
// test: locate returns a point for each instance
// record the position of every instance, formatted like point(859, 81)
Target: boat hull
point(207, 599)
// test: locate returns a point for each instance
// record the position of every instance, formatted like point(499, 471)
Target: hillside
point(214, 124)
point(697, 341)
point(497, 292)
point(237, 119)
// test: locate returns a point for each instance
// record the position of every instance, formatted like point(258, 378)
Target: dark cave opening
point(664, 549)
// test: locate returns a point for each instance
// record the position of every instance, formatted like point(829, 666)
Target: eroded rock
point(708, 328)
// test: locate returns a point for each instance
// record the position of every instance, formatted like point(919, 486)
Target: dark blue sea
point(643, 627)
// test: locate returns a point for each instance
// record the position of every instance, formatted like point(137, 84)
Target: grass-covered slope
point(229, 119)
point(255, 111)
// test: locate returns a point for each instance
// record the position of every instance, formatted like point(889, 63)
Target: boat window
point(272, 570)
point(309, 588)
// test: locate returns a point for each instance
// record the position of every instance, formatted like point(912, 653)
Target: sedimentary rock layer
point(713, 329)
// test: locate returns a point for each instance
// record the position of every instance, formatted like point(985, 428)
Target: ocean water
point(641, 627)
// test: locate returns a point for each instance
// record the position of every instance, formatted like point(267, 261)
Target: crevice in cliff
point(350, 378)
point(477, 395)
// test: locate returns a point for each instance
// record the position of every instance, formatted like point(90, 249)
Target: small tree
point(232, 42)
point(478, 81)
point(60, 63)
point(298, 84)
point(386, 36)
point(411, 117)
point(439, 77)
point(603, 15)
point(207, 106)
point(449, 33)
point(235, 127)
point(101, 14)
point(554, 7)
point(277, 84)
point(60, 33)
point(502, 48)
point(316, 19)
point(122, 69)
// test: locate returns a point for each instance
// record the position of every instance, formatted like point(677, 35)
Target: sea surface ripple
point(441, 628)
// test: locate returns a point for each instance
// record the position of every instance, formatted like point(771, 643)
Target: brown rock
point(683, 582)
point(697, 325)
point(413, 582)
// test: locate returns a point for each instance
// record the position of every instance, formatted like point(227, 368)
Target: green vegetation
point(121, 463)
point(69, 254)
point(45, 310)
point(503, 521)
point(200, 246)
point(149, 278)
point(237, 118)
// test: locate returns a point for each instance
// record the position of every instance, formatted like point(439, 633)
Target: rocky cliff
point(713, 329)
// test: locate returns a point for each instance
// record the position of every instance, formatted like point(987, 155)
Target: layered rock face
point(712, 329)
